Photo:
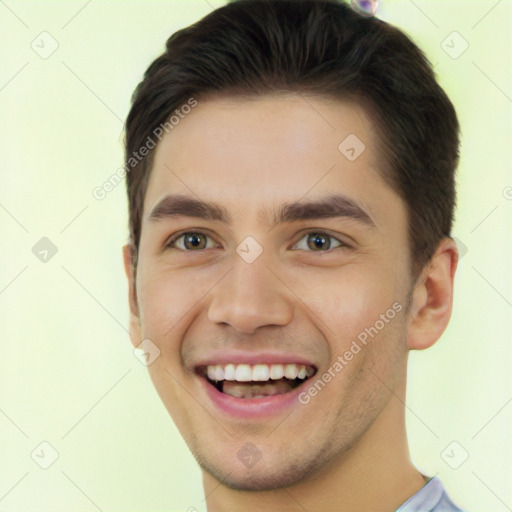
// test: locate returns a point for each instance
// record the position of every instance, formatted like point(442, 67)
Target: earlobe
point(433, 297)
point(129, 268)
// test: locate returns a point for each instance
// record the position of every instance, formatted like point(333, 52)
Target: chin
point(261, 477)
point(257, 481)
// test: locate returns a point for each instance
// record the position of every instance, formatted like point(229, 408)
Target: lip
point(251, 408)
point(252, 358)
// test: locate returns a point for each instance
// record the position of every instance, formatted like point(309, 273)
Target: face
point(278, 303)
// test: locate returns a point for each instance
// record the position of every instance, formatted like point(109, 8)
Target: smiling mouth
point(256, 381)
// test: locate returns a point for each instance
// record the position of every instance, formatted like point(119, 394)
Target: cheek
point(351, 301)
point(165, 298)
point(168, 302)
point(363, 319)
point(175, 395)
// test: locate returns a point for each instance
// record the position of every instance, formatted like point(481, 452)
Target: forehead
point(242, 152)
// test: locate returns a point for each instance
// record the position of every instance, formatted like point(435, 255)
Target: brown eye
point(318, 242)
point(194, 241)
point(191, 241)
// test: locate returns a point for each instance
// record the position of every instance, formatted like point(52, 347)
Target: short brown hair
point(257, 47)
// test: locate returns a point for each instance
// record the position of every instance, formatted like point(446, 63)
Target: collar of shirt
point(431, 497)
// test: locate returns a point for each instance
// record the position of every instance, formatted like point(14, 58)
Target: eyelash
point(342, 245)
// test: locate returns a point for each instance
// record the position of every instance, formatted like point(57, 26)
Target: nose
point(251, 296)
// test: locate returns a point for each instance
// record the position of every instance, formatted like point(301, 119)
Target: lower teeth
point(256, 390)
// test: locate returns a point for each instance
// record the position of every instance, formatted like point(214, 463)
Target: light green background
point(67, 372)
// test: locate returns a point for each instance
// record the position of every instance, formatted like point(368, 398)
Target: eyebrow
point(331, 206)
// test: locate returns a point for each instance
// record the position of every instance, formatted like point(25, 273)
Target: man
point(290, 174)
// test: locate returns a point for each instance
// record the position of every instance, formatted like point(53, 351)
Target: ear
point(129, 252)
point(432, 297)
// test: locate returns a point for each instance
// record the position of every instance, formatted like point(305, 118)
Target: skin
point(345, 450)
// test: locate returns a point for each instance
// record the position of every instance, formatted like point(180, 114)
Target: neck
point(375, 474)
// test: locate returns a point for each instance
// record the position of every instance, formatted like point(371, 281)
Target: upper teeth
point(258, 372)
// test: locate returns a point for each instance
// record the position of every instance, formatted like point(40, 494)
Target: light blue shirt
point(430, 498)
